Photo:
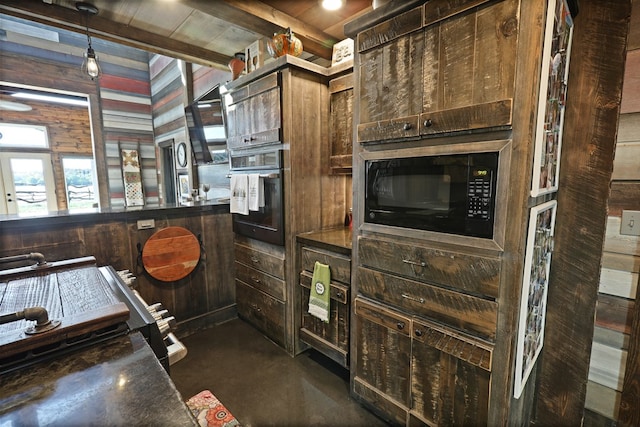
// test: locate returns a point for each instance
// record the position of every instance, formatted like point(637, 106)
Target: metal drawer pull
point(254, 259)
point(400, 325)
point(255, 279)
point(409, 297)
point(407, 126)
point(339, 294)
point(418, 263)
point(418, 332)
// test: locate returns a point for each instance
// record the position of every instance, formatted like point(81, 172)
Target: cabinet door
point(382, 359)
point(253, 113)
point(341, 123)
point(469, 65)
point(390, 78)
point(450, 376)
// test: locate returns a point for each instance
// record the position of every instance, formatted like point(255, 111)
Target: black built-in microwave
point(444, 193)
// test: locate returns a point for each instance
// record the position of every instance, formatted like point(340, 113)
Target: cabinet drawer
point(339, 292)
point(469, 273)
point(272, 264)
point(264, 312)
point(340, 266)
point(260, 280)
point(460, 310)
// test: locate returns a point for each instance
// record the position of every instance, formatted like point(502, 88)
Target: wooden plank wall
point(124, 99)
point(621, 256)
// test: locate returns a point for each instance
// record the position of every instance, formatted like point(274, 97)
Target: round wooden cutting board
point(171, 254)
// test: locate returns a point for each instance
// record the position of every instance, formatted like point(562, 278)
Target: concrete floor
point(261, 385)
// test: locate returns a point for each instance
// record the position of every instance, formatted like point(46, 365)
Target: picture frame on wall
point(132, 177)
point(183, 186)
point(535, 284)
point(556, 56)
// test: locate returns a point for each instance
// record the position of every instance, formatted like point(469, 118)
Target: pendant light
point(90, 64)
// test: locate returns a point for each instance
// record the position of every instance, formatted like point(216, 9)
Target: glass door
point(27, 183)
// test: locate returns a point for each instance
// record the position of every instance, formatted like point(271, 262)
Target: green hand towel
point(320, 294)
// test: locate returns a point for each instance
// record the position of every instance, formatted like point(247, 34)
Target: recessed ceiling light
point(332, 4)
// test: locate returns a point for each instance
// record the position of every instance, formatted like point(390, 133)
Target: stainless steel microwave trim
point(495, 245)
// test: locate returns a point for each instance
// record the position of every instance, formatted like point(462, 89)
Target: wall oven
point(452, 193)
point(267, 223)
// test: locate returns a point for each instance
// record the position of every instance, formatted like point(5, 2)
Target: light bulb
point(332, 4)
point(90, 65)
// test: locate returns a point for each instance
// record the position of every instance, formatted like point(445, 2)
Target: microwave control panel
point(480, 194)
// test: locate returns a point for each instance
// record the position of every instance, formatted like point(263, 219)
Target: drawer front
point(339, 293)
point(466, 312)
point(339, 265)
point(268, 263)
point(470, 273)
point(264, 312)
point(260, 280)
point(336, 331)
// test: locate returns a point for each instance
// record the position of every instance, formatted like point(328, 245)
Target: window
point(23, 136)
point(80, 183)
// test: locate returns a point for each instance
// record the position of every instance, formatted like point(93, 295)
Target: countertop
point(118, 382)
point(117, 213)
point(334, 239)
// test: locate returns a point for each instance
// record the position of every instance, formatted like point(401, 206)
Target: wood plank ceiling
point(206, 32)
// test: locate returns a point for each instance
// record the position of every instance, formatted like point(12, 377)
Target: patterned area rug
point(210, 412)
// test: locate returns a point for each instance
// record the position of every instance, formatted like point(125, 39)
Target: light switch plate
point(145, 224)
point(630, 225)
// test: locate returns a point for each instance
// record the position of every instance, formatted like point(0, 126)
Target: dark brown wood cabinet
point(253, 114)
point(330, 338)
point(260, 286)
point(438, 68)
point(341, 123)
point(435, 314)
point(283, 105)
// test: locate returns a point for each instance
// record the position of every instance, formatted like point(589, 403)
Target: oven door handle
point(265, 175)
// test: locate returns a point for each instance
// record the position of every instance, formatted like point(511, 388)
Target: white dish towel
point(256, 192)
point(239, 201)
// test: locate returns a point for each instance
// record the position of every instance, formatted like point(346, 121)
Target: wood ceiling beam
point(265, 20)
point(72, 20)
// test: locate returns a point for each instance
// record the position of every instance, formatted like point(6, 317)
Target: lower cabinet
point(264, 312)
point(330, 338)
point(260, 287)
point(417, 372)
point(333, 248)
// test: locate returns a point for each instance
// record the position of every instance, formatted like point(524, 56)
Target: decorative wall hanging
point(533, 304)
point(553, 90)
point(133, 192)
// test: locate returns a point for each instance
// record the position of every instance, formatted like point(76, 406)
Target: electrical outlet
point(630, 225)
point(145, 224)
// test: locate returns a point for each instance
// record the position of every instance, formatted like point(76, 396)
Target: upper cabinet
point(440, 68)
point(341, 123)
point(253, 113)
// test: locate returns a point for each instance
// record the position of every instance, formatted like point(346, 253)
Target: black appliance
point(444, 193)
point(266, 224)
